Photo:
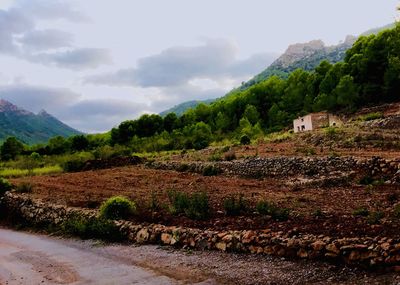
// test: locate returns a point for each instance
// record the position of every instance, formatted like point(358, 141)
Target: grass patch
point(15, 172)
point(371, 116)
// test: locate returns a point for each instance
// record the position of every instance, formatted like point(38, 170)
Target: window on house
point(303, 127)
point(298, 128)
point(302, 119)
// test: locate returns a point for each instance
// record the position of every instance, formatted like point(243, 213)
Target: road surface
point(29, 258)
point(36, 259)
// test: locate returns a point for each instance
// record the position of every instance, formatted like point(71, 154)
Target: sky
point(95, 63)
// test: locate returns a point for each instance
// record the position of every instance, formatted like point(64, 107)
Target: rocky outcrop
point(364, 251)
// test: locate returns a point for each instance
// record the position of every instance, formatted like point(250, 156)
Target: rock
point(166, 238)
point(332, 248)
point(142, 236)
point(220, 246)
point(318, 245)
point(302, 253)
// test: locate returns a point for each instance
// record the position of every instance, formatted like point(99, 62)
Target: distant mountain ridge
point(28, 127)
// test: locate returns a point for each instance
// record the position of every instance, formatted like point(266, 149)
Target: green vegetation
point(270, 209)
point(195, 206)
point(117, 208)
point(235, 206)
point(94, 228)
point(5, 186)
point(368, 75)
point(24, 187)
point(362, 212)
point(14, 173)
point(371, 116)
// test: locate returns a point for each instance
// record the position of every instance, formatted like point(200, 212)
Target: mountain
point(28, 127)
point(183, 107)
point(306, 56)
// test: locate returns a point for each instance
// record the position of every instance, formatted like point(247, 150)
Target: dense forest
point(369, 75)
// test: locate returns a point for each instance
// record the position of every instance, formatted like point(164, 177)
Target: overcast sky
point(94, 63)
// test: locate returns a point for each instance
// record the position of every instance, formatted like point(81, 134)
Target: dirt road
point(31, 259)
point(36, 259)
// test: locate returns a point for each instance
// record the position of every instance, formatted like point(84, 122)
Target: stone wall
point(286, 167)
point(363, 251)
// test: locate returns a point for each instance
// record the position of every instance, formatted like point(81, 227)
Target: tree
point(346, 93)
point(58, 145)
point(251, 114)
point(11, 148)
point(79, 143)
point(170, 122)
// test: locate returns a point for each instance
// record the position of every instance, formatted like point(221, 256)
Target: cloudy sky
point(94, 63)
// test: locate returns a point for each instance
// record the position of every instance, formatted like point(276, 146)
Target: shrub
point(268, 208)
point(362, 211)
point(179, 202)
point(375, 218)
point(73, 165)
point(92, 228)
point(154, 204)
point(24, 187)
point(198, 208)
point(117, 208)
point(5, 186)
point(195, 207)
point(366, 180)
point(245, 140)
point(396, 211)
point(234, 206)
point(211, 170)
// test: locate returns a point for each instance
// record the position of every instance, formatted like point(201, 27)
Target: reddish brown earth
point(337, 204)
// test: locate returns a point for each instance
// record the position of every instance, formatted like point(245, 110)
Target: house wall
point(319, 120)
point(303, 124)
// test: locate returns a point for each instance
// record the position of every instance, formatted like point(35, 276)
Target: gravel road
point(28, 258)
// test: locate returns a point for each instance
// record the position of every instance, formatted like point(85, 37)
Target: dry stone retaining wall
point(286, 167)
point(365, 251)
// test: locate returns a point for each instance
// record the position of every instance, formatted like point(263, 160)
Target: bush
point(245, 140)
point(268, 208)
point(117, 208)
point(234, 206)
point(375, 218)
point(198, 208)
point(396, 211)
point(24, 187)
point(98, 228)
point(73, 165)
point(195, 207)
point(362, 212)
point(5, 186)
point(179, 202)
point(211, 170)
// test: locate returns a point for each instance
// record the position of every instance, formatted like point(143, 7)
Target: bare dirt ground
point(35, 259)
point(334, 205)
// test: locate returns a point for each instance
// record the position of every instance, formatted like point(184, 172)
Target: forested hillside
point(369, 74)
